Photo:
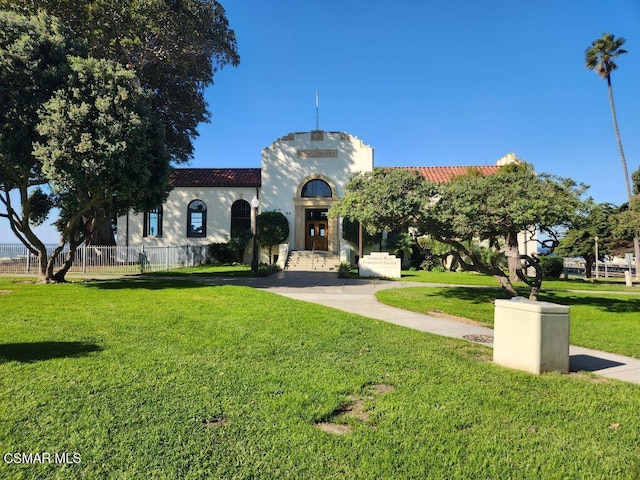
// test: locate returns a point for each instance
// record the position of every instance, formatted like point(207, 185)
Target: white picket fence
point(15, 258)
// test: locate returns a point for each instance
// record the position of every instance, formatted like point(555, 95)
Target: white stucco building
point(302, 174)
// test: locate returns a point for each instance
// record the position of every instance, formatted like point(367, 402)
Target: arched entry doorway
point(314, 230)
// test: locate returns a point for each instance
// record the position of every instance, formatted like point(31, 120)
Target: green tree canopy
point(496, 209)
point(493, 209)
point(174, 47)
point(627, 221)
point(635, 180)
point(384, 199)
point(579, 240)
point(88, 136)
point(33, 65)
point(350, 231)
point(100, 142)
point(273, 229)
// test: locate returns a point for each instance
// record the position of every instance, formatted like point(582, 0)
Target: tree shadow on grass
point(612, 305)
point(472, 295)
point(150, 283)
point(233, 273)
point(487, 295)
point(38, 351)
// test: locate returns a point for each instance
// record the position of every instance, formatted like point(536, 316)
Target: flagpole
point(317, 118)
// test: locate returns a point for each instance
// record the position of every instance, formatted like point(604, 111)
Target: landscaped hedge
point(266, 269)
point(221, 253)
point(552, 267)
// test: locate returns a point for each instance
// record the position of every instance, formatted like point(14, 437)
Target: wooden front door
point(316, 235)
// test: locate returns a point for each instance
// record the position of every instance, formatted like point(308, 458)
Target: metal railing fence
point(605, 269)
point(118, 260)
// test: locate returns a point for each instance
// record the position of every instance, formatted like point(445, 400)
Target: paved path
point(358, 296)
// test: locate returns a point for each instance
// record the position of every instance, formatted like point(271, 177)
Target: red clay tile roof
point(251, 177)
point(446, 174)
point(215, 177)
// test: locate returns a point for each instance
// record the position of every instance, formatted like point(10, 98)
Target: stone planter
point(531, 336)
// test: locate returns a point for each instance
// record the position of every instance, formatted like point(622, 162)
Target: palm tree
point(600, 57)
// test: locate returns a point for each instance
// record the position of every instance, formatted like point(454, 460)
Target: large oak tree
point(76, 133)
point(493, 209)
point(174, 46)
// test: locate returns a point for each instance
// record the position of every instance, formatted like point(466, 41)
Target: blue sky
point(430, 83)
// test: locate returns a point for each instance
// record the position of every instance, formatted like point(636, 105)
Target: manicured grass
point(167, 379)
point(473, 278)
point(236, 270)
point(603, 321)
point(449, 278)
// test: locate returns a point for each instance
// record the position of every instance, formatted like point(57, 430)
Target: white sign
point(379, 264)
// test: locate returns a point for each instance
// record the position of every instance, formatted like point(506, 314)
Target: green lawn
point(236, 270)
point(158, 378)
point(473, 278)
point(599, 320)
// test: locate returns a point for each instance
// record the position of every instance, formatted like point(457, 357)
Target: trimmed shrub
point(552, 267)
point(428, 263)
point(344, 269)
point(266, 269)
point(221, 253)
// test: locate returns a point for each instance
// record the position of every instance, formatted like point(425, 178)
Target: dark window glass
point(153, 223)
point(240, 218)
point(197, 219)
point(316, 188)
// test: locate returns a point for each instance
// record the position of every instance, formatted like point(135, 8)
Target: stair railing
point(313, 254)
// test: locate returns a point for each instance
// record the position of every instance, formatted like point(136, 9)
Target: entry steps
point(308, 261)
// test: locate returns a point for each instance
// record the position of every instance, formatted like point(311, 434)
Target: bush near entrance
point(273, 229)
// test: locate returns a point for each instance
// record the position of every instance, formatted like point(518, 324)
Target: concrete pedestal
point(531, 336)
point(627, 279)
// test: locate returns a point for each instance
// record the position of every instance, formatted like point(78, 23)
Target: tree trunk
point(68, 262)
point(506, 285)
point(588, 265)
point(100, 230)
point(636, 244)
point(50, 264)
point(42, 258)
point(533, 294)
point(512, 254)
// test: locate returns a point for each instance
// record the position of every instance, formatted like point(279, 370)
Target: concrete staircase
point(318, 261)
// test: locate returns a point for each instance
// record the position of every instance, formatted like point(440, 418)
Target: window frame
point(192, 209)
point(241, 223)
point(147, 222)
point(311, 185)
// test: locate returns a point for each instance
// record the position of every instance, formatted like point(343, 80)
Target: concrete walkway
point(358, 296)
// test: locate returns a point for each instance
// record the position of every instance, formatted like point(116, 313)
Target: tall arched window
point(240, 218)
point(153, 223)
point(316, 188)
point(197, 219)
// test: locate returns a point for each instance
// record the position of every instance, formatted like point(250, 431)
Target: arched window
point(197, 219)
point(240, 218)
point(316, 188)
point(153, 223)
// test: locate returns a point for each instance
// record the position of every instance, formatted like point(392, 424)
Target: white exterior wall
point(528, 244)
point(174, 217)
point(295, 159)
